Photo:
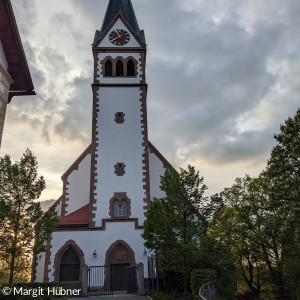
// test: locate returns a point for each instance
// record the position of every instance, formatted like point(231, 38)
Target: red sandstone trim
point(48, 259)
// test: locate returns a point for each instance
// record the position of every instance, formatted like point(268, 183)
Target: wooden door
point(118, 276)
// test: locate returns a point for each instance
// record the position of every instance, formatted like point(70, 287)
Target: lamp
point(145, 252)
point(95, 254)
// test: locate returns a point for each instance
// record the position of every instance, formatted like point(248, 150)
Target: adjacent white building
point(15, 78)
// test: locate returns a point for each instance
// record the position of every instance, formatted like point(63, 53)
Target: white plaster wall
point(120, 143)
point(3, 60)
point(2, 87)
point(79, 186)
point(58, 208)
point(156, 169)
point(119, 25)
point(39, 273)
point(89, 241)
point(125, 80)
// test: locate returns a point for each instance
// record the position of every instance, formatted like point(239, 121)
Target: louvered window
point(108, 68)
point(130, 68)
point(119, 68)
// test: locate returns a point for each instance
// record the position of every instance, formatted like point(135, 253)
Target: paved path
point(117, 297)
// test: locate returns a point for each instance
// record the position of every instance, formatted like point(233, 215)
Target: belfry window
point(120, 208)
point(108, 68)
point(69, 266)
point(130, 68)
point(119, 68)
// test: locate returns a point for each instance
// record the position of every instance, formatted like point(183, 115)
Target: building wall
point(120, 143)
point(5, 82)
point(78, 186)
point(156, 169)
point(115, 80)
point(89, 241)
point(3, 61)
point(119, 25)
point(39, 267)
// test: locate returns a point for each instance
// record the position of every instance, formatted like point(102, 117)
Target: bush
point(171, 296)
point(200, 277)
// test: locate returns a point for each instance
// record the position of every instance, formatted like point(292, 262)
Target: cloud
point(222, 76)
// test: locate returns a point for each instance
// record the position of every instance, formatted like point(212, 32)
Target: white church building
point(109, 188)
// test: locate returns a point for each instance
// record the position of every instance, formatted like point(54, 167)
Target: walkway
point(117, 297)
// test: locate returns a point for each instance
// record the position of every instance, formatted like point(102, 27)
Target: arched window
point(130, 68)
point(69, 266)
point(119, 68)
point(108, 68)
point(120, 208)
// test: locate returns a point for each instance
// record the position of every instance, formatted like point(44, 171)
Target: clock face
point(119, 37)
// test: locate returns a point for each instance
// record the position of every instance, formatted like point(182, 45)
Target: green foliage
point(171, 296)
point(215, 255)
point(259, 221)
point(174, 223)
point(200, 277)
point(23, 226)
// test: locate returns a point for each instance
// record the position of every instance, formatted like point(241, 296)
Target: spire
point(125, 8)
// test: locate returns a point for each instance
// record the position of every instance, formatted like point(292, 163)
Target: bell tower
point(119, 163)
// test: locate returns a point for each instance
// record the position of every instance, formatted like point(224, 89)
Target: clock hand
point(115, 38)
point(117, 33)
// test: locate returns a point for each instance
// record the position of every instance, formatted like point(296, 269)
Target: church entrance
point(118, 274)
point(120, 258)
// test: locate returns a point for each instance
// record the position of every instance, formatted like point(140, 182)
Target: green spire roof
point(125, 8)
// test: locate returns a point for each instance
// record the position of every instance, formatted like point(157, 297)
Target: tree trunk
point(12, 270)
point(185, 281)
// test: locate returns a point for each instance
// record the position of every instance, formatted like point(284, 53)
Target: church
point(109, 188)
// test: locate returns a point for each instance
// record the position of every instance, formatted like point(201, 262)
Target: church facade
point(109, 188)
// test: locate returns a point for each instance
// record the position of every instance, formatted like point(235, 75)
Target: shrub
point(200, 277)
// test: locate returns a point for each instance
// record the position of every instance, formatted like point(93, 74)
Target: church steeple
point(125, 8)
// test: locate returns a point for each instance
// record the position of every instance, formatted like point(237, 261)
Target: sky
point(222, 76)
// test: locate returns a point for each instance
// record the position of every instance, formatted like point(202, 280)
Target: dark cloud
point(76, 120)
point(222, 75)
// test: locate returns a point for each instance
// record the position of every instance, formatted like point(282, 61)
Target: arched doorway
point(68, 263)
point(119, 256)
point(69, 266)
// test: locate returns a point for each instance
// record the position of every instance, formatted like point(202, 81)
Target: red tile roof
point(78, 217)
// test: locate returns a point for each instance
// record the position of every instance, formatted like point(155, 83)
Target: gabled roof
point(125, 8)
point(14, 52)
point(78, 217)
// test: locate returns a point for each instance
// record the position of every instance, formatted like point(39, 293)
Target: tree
point(283, 171)
point(174, 223)
point(24, 228)
point(260, 219)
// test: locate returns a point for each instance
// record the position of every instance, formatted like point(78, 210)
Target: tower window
point(130, 68)
point(120, 169)
point(108, 68)
point(119, 68)
point(120, 208)
point(119, 118)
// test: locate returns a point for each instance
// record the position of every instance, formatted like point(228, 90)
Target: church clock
point(119, 37)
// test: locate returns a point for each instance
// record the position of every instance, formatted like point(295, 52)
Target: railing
point(208, 290)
